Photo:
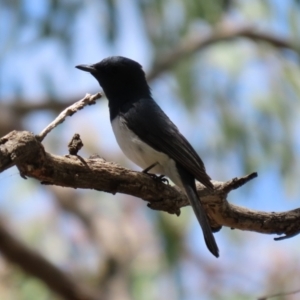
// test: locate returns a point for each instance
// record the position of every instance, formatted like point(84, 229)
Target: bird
point(147, 136)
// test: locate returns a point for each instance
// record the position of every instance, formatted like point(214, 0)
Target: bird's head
point(120, 77)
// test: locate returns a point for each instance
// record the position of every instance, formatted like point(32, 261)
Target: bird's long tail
point(188, 182)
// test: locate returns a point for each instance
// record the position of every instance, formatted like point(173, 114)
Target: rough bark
point(24, 150)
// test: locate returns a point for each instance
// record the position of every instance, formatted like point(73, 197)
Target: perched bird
point(147, 136)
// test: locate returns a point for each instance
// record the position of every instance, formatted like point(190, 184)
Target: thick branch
point(35, 265)
point(95, 173)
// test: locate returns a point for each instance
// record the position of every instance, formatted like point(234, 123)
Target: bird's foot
point(160, 178)
point(149, 168)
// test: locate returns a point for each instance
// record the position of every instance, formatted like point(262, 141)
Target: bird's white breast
point(142, 154)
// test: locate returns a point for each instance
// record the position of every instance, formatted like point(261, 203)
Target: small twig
point(279, 295)
point(287, 236)
point(75, 144)
point(69, 111)
point(235, 183)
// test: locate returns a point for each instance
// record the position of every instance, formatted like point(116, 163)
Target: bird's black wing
point(153, 126)
point(150, 123)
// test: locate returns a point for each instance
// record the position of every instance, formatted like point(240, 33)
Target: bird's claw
point(160, 178)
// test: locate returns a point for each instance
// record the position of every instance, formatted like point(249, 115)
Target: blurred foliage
point(166, 23)
point(249, 91)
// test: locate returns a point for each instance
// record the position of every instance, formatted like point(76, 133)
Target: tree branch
point(27, 153)
point(69, 111)
point(35, 265)
point(279, 295)
point(222, 33)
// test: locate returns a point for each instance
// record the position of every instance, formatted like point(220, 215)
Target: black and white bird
point(147, 136)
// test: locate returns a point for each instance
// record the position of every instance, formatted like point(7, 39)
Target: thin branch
point(21, 106)
point(69, 111)
point(222, 33)
point(25, 151)
point(37, 266)
point(279, 295)
point(236, 183)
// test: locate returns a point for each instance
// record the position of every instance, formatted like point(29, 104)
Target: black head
point(122, 79)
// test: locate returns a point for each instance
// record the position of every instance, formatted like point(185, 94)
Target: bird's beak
point(86, 68)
